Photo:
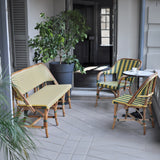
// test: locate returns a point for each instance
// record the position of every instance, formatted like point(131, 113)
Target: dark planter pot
point(62, 72)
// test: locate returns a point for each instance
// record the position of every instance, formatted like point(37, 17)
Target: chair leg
point(151, 115)
point(118, 93)
point(115, 115)
point(45, 121)
point(126, 113)
point(130, 92)
point(144, 118)
point(69, 99)
point(97, 96)
point(55, 113)
point(63, 105)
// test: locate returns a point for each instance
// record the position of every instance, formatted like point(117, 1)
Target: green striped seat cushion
point(112, 85)
point(139, 101)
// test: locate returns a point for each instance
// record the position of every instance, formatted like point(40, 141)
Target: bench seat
point(47, 96)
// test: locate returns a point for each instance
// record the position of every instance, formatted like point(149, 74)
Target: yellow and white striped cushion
point(139, 101)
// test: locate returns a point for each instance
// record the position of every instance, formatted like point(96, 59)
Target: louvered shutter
point(19, 33)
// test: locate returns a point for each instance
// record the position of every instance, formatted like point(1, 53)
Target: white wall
point(59, 5)
point(128, 28)
point(152, 35)
point(35, 7)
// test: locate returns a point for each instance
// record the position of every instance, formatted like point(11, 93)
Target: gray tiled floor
point(85, 134)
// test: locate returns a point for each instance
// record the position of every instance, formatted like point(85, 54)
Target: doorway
point(96, 52)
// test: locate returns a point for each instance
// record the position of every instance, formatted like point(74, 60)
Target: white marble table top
point(138, 73)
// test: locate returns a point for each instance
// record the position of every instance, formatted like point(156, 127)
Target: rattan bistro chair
point(141, 99)
point(121, 82)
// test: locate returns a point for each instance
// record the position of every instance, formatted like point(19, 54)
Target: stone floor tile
point(78, 157)
point(86, 138)
point(44, 154)
point(94, 158)
point(74, 138)
point(82, 148)
point(63, 156)
point(69, 147)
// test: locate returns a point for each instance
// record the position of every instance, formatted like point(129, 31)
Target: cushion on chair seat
point(47, 96)
point(138, 102)
point(112, 85)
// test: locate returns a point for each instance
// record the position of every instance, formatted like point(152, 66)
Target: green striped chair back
point(148, 86)
point(124, 64)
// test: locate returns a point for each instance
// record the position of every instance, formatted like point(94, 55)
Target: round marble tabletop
point(138, 73)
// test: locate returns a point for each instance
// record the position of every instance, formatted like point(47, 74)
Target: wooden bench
point(33, 91)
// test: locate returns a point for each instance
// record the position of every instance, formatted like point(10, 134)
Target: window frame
point(107, 26)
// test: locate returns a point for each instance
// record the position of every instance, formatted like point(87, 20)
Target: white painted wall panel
point(128, 28)
point(154, 14)
point(154, 38)
point(153, 60)
point(35, 7)
point(152, 35)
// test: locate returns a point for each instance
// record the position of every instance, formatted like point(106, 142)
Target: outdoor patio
point(85, 133)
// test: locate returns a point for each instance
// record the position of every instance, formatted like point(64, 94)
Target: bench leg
point(63, 105)
point(69, 98)
point(45, 121)
point(55, 113)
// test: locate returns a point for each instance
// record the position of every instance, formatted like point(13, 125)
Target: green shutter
point(19, 27)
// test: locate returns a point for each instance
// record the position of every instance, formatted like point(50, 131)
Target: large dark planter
point(62, 73)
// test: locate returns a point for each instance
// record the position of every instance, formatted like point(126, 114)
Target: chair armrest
point(124, 77)
point(108, 72)
point(20, 97)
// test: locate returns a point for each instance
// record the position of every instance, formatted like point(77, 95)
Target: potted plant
point(56, 38)
point(15, 140)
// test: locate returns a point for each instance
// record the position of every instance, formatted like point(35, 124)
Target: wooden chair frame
point(147, 103)
point(123, 78)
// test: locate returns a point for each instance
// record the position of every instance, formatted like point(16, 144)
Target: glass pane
point(103, 11)
point(105, 41)
point(103, 18)
point(107, 10)
point(105, 33)
point(103, 26)
point(107, 18)
point(107, 26)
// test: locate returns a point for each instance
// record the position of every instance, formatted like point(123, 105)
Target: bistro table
point(138, 74)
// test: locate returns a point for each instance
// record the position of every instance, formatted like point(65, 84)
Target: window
point(105, 26)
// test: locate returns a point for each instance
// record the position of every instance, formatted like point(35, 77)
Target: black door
point(85, 50)
point(97, 49)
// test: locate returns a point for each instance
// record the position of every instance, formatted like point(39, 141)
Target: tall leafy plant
point(15, 139)
point(57, 35)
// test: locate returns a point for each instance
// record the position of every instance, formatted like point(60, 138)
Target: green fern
point(15, 139)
